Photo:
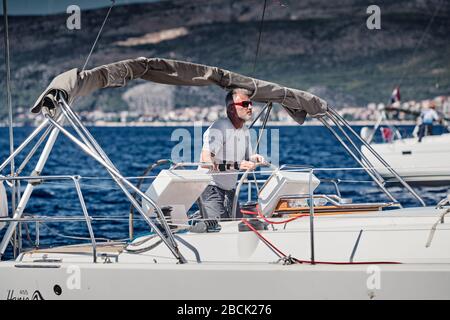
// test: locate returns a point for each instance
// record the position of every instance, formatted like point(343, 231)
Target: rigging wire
point(8, 82)
point(261, 25)
point(58, 234)
point(113, 2)
point(15, 190)
point(150, 177)
point(421, 40)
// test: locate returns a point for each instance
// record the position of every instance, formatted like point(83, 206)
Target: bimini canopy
point(75, 84)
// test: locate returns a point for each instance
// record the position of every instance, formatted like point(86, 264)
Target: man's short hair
point(229, 98)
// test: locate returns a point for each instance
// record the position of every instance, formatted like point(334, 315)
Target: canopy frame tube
point(35, 148)
point(24, 144)
point(363, 158)
point(95, 148)
point(355, 157)
point(376, 155)
point(120, 180)
point(30, 186)
point(92, 149)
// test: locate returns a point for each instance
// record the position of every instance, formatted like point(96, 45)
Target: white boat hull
point(427, 162)
point(237, 265)
point(228, 281)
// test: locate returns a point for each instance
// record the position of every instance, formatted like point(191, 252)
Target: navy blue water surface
point(133, 149)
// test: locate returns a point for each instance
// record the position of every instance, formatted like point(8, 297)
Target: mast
point(8, 81)
point(8, 101)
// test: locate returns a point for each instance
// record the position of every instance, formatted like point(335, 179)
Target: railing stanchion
point(311, 215)
point(38, 235)
point(76, 181)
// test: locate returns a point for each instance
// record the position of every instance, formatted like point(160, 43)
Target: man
point(226, 144)
point(428, 116)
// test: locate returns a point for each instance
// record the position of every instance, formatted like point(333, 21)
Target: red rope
point(308, 261)
point(263, 238)
point(258, 213)
point(249, 212)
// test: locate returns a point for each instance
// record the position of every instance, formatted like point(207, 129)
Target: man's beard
point(246, 117)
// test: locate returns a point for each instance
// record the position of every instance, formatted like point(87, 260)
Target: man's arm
point(436, 116)
point(208, 157)
point(254, 158)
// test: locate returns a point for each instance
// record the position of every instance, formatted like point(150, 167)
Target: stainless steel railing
point(76, 181)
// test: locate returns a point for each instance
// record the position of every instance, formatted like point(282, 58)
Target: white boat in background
point(293, 243)
point(419, 163)
point(424, 163)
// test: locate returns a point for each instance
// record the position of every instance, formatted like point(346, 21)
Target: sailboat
point(425, 163)
point(292, 243)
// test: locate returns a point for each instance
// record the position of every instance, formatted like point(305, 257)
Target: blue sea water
point(133, 149)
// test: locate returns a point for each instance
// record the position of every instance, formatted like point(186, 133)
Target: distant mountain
point(318, 45)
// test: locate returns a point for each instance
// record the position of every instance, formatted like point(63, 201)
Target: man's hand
point(257, 158)
point(247, 165)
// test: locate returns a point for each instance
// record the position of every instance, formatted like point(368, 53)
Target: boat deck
point(113, 248)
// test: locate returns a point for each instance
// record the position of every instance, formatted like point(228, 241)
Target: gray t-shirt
point(227, 144)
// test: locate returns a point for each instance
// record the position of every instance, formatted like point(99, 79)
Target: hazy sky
point(16, 7)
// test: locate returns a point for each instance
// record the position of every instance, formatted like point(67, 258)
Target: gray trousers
point(217, 203)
